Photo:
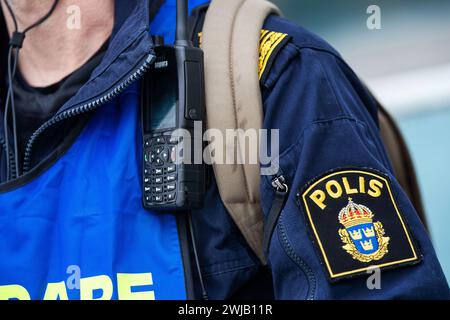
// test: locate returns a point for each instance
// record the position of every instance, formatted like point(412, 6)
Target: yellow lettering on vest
point(333, 184)
point(362, 185)
point(318, 196)
point(375, 187)
point(56, 291)
point(347, 187)
point(89, 285)
point(126, 281)
point(14, 292)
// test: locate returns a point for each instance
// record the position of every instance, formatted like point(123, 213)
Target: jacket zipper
point(10, 157)
point(84, 108)
point(281, 194)
point(275, 219)
point(279, 184)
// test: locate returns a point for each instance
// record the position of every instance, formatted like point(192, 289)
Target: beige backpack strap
point(230, 41)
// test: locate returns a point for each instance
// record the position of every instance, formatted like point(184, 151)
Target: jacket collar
point(130, 42)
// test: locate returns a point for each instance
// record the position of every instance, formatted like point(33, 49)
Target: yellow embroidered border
point(200, 38)
point(269, 41)
point(386, 182)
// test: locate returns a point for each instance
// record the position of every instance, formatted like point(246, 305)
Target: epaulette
point(270, 44)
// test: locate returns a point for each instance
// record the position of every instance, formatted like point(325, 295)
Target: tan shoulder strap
point(230, 41)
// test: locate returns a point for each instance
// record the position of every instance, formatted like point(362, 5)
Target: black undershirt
point(34, 106)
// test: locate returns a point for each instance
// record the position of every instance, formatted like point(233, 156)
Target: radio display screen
point(163, 97)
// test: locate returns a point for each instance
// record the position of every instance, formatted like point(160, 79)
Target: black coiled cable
point(15, 44)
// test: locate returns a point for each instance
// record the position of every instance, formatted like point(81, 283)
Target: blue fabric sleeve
point(327, 122)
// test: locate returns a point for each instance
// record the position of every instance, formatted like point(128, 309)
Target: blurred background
point(406, 64)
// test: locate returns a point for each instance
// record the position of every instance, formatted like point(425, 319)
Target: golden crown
point(354, 214)
point(367, 245)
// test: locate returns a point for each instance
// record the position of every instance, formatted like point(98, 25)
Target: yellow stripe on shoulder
point(200, 39)
point(270, 43)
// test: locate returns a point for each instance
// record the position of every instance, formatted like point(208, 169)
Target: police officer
point(72, 225)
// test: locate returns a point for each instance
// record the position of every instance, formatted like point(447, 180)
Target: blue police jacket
point(73, 226)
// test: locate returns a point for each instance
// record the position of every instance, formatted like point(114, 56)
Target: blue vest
point(79, 230)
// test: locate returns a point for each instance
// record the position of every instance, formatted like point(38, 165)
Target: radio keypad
point(171, 196)
point(157, 180)
point(170, 187)
point(159, 140)
point(170, 178)
point(160, 174)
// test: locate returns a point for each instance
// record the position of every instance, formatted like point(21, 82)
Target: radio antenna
point(182, 38)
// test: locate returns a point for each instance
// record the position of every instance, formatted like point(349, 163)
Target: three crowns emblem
point(363, 239)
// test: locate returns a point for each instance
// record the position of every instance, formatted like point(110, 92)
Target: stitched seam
point(330, 84)
point(290, 252)
point(233, 89)
point(312, 124)
point(109, 67)
point(212, 274)
point(338, 101)
point(320, 49)
point(272, 79)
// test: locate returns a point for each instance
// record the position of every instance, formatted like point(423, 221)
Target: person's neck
point(60, 45)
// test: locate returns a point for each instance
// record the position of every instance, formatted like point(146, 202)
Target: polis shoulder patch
point(270, 44)
point(356, 223)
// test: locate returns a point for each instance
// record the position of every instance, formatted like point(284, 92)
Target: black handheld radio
point(173, 94)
